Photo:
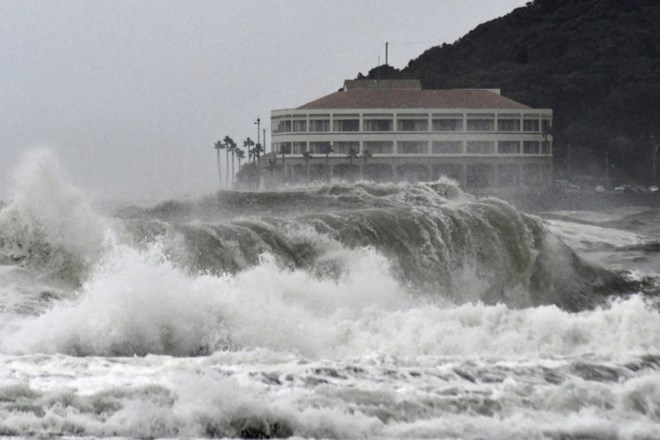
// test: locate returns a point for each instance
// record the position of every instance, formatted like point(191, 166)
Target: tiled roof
point(351, 84)
point(414, 98)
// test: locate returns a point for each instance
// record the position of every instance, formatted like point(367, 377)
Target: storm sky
point(132, 95)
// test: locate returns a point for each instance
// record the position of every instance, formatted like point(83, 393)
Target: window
point(447, 147)
point(480, 124)
point(298, 147)
point(379, 147)
point(508, 147)
point(319, 147)
point(530, 125)
point(508, 125)
point(453, 124)
point(413, 124)
point(412, 147)
point(345, 147)
point(299, 125)
point(346, 125)
point(531, 147)
point(282, 147)
point(480, 147)
point(282, 126)
point(378, 125)
point(319, 125)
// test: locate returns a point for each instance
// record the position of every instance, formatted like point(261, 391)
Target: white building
point(475, 136)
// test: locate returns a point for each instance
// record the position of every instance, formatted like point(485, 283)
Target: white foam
point(582, 236)
point(139, 302)
point(45, 210)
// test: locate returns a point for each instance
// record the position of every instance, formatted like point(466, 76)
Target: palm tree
point(328, 151)
point(232, 149)
point(248, 144)
point(284, 149)
point(366, 154)
point(256, 154)
point(227, 141)
point(307, 156)
point(258, 150)
point(240, 155)
point(352, 154)
point(219, 146)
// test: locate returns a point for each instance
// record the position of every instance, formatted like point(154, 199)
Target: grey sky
point(131, 95)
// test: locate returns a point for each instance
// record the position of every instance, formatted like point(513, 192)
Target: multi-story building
point(395, 130)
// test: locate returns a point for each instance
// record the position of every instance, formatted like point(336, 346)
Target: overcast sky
point(131, 95)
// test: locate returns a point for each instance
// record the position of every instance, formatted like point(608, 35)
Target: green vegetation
point(596, 63)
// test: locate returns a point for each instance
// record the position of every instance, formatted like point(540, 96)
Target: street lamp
point(258, 124)
point(264, 145)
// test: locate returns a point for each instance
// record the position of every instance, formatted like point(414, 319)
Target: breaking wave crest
point(331, 271)
point(140, 303)
point(437, 240)
point(48, 226)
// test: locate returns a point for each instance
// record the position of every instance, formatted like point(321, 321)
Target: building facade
point(395, 130)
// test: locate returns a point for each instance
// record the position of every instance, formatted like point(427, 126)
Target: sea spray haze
point(49, 226)
point(342, 311)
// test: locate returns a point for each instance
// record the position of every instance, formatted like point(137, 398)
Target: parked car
point(623, 189)
point(599, 188)
point(653, 189)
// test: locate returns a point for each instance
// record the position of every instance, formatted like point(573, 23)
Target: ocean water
point(339, 311)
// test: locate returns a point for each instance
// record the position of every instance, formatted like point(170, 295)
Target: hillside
point(595, 62)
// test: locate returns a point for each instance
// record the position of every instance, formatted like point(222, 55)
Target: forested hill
point(595, 62)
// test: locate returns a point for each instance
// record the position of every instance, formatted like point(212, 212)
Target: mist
point(131, 96)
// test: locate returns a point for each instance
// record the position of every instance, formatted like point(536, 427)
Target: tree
point(307, 156)
point(247, 175)
point(258, 150)
point(328, 150)
point(240, 155)
point(598, 71)
point(352, 154)
point(248, 144)
point(219, 146)
point(227, 141)
point(232, 149)
point(366, 154)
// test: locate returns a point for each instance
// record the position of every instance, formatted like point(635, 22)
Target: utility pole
point(258, 124)
point(257, 153)
point(264, 131)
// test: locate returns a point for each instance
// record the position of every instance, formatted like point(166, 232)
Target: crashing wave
point(438, 240)
point(48, 226)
